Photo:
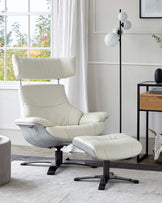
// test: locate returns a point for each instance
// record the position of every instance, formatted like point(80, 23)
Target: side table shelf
point(147, 102)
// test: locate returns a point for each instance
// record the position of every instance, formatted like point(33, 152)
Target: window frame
point(4, 84)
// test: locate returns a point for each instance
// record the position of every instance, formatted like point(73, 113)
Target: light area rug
point(30, 184)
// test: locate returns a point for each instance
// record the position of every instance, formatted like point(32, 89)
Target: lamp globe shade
point(116, 30)
point(127, 25)
point(122, 16)
point(111, 39)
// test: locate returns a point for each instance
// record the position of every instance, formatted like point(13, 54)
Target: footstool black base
point(106, 176)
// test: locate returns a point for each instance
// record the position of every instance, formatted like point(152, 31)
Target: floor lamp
point(112, 39)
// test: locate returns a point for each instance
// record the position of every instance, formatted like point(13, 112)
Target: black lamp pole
point(120, 76)
point(111, 40)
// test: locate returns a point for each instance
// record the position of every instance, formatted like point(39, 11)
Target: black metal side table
point(147, 102)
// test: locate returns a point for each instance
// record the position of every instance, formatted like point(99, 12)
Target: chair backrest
point(43, 68)
point(47, 101)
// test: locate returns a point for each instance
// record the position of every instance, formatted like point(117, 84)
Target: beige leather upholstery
point(31, 120)
point(47, 119)
point(46, 113)
point(48, 105)
point(43, 68)
point(109, 147)
point(48, 102)
point(93, 117)
point(69, 132)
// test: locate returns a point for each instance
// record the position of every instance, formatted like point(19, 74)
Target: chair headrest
point(43, 68)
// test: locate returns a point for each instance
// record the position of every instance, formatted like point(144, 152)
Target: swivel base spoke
point(80, 163)
point(124, 179)
point(52, 170)
point(88, 177)
point(54, 165)
point(103, 183)
point(104, 179)
point(26, 163)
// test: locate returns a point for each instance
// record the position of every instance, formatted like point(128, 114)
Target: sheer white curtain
point(71, 39)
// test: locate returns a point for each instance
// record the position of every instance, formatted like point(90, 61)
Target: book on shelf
point(156, 90)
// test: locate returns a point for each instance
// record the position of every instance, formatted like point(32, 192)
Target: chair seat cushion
point(93, 117)
point(109, 147)
point(69, 132)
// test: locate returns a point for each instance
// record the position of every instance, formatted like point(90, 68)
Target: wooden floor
point(42, 152)
point(149, 160)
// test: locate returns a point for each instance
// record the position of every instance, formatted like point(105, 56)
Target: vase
point(158, 75)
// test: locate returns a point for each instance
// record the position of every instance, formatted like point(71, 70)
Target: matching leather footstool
point(5, 160)
point(108, 147)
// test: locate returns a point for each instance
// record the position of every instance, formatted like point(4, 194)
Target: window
point(25, 30)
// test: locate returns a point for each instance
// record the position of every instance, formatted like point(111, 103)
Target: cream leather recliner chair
point(47, 119)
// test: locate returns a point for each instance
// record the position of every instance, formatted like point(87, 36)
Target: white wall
point(141, 54)
point(9, 111)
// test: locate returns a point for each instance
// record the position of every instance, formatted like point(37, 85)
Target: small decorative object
point(158, 75)
point(150, 9)
point(157, 149)
point(111, 40)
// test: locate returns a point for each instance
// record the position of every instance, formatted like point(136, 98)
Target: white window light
point(21, 19)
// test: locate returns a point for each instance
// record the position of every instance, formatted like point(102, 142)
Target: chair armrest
point(93, 117)
point(33, 120)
